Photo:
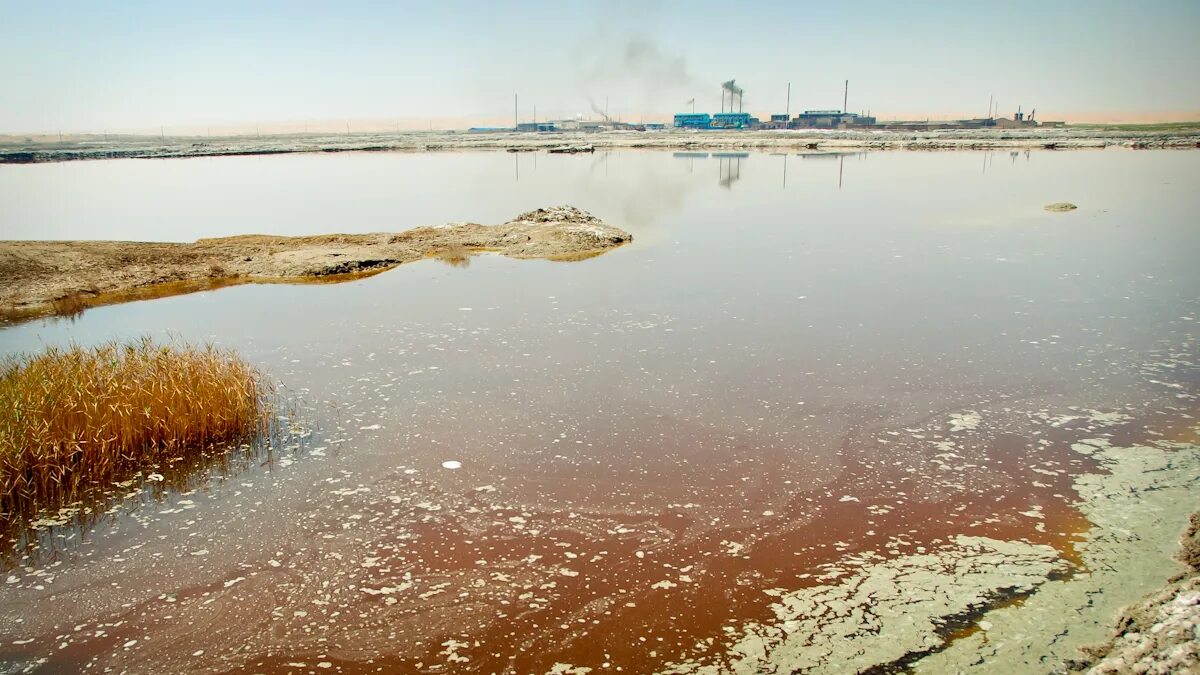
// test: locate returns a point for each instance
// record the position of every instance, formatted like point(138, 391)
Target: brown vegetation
point(76, 417)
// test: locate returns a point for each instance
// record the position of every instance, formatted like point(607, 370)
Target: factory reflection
point(729, 164)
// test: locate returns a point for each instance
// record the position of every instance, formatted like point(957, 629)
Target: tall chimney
point(846, 96)
point(515, 123)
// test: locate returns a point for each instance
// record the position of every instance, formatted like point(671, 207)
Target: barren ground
point(45, 277)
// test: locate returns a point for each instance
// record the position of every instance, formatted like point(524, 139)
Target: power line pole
point(515, 123)
point(788, 110)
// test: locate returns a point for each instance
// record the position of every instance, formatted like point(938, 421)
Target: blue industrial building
point(733, 120)
point(721, 120)
point(693, 121)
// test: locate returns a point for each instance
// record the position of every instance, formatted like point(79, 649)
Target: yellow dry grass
point(76, 417)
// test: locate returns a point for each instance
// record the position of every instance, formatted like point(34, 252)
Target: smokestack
point(733, 90)
point(787, 111)
point(846, 96)
point(515, 123)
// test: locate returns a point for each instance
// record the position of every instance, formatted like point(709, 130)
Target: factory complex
point(731, 116)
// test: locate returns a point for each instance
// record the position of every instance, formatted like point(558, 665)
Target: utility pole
point(515, 112)
point(990, 97)
point(788, 110)
point(846, 96)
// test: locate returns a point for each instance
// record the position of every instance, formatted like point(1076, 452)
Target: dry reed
point(76, 417)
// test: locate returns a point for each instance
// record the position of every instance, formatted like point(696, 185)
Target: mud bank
point(15, 150)
point(48, 277)
point(1158, 634)
point(982, 605)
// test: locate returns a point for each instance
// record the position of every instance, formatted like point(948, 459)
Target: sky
point(136, 66)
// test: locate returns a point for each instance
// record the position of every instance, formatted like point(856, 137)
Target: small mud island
point(62, 277)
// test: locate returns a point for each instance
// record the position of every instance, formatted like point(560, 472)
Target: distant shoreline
point(16, 150)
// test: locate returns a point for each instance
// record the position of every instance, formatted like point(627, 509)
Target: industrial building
point(693, 121)
point(537, 126)
point(734, 120)
point(830, 119)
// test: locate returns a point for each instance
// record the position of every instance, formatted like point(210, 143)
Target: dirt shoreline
point(19, 150)
point(39, 278)
point(1157, 634)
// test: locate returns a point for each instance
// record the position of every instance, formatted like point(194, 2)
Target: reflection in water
point(729, 164)
point(455, 255)
point(37, 537)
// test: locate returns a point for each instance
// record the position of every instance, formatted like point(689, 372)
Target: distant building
point(693, 121)
point(734, 120)
point(830, 119)
point(537, 126)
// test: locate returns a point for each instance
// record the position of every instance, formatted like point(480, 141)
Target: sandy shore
point(15, 149)
point(63, 277)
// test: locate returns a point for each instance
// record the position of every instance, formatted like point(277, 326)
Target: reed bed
point(78, 417)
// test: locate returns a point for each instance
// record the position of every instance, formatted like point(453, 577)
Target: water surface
point(798, 359)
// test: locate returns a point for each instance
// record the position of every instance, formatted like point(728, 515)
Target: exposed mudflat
point(1158, 634)
point(43, 277)
point(27, 150)
point(874, 612)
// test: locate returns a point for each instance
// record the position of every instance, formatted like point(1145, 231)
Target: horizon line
point(330, 126)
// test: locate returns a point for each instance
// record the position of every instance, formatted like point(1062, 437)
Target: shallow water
point(798, 359)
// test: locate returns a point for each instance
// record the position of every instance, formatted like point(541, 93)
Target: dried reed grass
point(76, 417)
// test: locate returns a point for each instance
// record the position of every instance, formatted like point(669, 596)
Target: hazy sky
point(88, 66)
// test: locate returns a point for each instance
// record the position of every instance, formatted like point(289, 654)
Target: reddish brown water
point(772, 377)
